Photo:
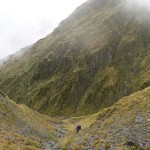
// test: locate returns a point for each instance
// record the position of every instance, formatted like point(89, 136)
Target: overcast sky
point(23, 22)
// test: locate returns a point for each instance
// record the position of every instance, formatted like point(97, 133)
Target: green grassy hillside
point(93, 58)
point(22, 128)
point(123, 126)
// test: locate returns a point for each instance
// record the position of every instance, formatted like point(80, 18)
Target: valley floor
point(124, 126)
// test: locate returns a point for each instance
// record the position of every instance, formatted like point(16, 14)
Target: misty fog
point(140, 4)
point(24, 22)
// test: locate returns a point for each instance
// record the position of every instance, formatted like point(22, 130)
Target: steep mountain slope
point(123, 126)
point(97, 55)
point(22, 128)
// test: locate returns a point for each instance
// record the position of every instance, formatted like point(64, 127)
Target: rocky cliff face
point(97, 55)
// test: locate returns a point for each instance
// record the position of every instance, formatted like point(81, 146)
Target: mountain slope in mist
point(97, 55)
point(14, 57)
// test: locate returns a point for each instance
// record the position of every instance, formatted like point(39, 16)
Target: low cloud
point(23, 22)
point(142, 4)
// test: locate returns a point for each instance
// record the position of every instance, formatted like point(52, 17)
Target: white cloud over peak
point(23, 22)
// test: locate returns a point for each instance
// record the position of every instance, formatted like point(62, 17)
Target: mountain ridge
point(15, 56)
point(95, 57)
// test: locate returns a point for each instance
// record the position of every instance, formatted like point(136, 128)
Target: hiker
point(78, 128)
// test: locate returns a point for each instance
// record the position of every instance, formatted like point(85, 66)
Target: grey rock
point(2, 114)
point(139, 119)
point(148, 120)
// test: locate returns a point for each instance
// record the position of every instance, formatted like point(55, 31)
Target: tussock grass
point(107, 125)
point(23, 128)
point(66, 141)
point(89, 62)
